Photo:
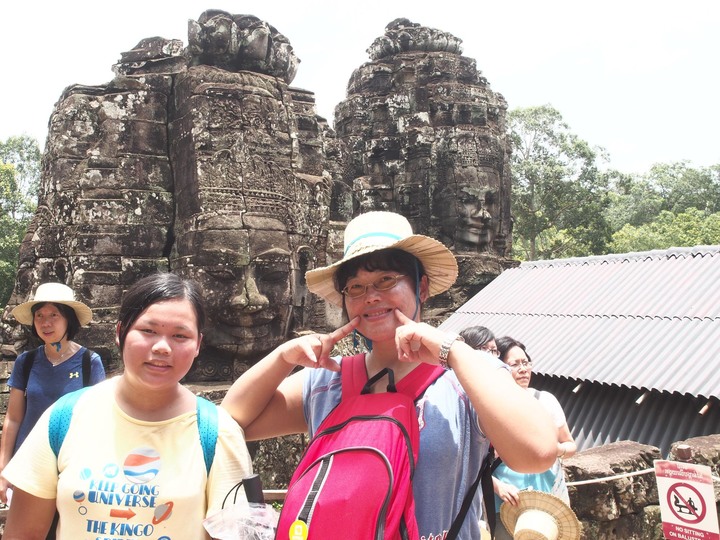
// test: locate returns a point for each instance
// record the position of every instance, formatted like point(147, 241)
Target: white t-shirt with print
point(125, 478)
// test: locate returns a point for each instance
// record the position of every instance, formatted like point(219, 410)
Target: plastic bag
point(253, 521)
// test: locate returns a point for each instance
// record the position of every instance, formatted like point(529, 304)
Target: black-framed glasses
point(491, 350)
point(384, 283)
point(521, 364)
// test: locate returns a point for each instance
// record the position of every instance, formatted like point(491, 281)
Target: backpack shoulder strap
point(27, 366)
point(414, 384)
point(86, 358)
point(60, 416)
point(417, 381)
point(488, 467)
point(485, 477)
point(354, 375)
point(207, 422)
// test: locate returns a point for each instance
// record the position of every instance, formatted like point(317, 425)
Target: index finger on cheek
point(400, 316)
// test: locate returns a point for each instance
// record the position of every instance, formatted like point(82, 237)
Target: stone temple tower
point(200, 160)
point(424, 135)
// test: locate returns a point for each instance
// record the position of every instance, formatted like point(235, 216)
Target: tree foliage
point(565, 206)
point(673, 205)
point(23, 152)
point(692, 227)
point(559, 195)
point(633, 202)
point(19, 180)
point(682, 187)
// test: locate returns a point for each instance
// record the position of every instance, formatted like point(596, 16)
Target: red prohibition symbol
point(688, 506)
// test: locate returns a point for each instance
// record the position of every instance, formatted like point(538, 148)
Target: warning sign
point(687, 501)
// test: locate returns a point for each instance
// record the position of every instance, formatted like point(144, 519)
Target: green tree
point(690, 228)
point(559, 195)
point(19, 180)
point(681, 186)
point(671, 205)
point(633, 201)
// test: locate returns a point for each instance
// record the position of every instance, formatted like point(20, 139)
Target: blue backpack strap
point(60, 416)
point(207, 421)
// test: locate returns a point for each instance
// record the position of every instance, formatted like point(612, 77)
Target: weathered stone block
point(100, 338)
point(125, 240)
point(152, 49)
point(49, 242)
point(276, 459)
point(98, 289)
point(644, 525)
point(135, 268)
point(607, 501)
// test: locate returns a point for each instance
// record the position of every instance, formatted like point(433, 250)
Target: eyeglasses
point(384, 283)
point(492, 351)
point(523, 363)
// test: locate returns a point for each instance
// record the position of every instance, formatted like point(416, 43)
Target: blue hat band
point(370, 235)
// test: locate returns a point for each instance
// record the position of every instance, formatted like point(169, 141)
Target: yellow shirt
point(122, 478)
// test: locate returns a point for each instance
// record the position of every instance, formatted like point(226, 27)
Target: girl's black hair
point(477, 336)
point(153, 289)
point(73, 323)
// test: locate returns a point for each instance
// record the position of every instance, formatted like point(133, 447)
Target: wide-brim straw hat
point(540, 516)
point(374, 231)
point(57, 293)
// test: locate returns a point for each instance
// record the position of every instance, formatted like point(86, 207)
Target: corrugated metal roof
point(599, 414)
point(647, 320)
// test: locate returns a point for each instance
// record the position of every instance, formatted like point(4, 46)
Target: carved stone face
point(465, 217)
point(247, 277)
point(473, 218)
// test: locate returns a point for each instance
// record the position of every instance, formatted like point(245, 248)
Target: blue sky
point(636, 77)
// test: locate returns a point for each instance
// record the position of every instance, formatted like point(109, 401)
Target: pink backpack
point(354, 480)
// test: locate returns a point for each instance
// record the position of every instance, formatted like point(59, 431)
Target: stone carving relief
point(241, 43)
point(252, 200)
point(205, 161)
point(251, 270)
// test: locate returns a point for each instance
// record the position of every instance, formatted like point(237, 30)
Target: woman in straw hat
point(381, 283)
point(55, 368)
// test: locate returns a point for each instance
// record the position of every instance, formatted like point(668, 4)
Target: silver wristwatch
point(445, 348)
